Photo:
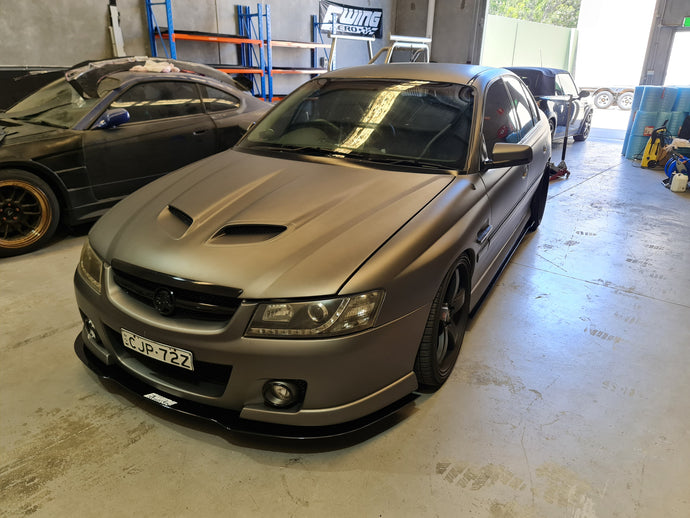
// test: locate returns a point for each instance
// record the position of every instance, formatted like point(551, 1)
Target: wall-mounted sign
point(350, 20)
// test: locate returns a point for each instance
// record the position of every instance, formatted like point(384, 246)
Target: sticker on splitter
point(160, 399)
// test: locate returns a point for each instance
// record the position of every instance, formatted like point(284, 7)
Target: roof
point(86, 76)
point(540, 81)
point(549, 72)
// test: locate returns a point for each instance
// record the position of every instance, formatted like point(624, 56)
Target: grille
point(191, 299)
point(208, 379)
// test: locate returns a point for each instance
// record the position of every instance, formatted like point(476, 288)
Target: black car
point(553, 89)
point(75, 147)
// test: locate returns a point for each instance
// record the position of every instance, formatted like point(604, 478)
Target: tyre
point(538, 203)
point(603, 99)
point(552, 127)
point(585, 129)
point(29, 212)
point(445, 327)
point(625, 101)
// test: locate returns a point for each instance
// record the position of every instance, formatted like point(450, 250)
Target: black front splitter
point(229, 419)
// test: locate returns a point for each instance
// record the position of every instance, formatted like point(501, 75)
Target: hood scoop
point(181, 215)
point(174, 221)
point(242, 234)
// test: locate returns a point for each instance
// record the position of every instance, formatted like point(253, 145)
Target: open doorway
point(678, 71)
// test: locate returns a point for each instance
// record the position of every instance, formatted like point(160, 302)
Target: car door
point(226, 112)
point(168, 128)
point(528, 114)
point(505, 187)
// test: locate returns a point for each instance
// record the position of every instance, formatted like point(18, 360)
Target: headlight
point(316, 318)
point(90, 267)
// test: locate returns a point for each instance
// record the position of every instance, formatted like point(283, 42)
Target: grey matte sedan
point(310, 280)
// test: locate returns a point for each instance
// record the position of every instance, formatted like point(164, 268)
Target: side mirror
point(112, 118)
point(509, 155)
point(583, 94)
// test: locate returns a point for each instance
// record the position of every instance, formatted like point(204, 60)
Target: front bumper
point(229, 419)
point(350, 382)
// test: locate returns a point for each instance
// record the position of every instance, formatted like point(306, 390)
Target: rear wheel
point(29, 212)
point(445, 327)
point(586, 127)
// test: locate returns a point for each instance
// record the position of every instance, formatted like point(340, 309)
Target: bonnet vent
point(174, 221)
point(247, 233)
point(182, 216)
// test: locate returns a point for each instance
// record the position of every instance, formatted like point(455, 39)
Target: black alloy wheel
point(445, 327)
point(586, 127)
point(29, 212)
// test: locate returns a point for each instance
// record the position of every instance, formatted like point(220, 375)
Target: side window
point(500, 117)
point(533, 108)
point(522, 107)
point(566, 85)
point(217, 100)
point(159, 100)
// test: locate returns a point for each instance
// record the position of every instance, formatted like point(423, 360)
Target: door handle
point(483, 234)
point(199, 132)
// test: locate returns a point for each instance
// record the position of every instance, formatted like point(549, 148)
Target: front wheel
point(29, 212)
point(445, 327)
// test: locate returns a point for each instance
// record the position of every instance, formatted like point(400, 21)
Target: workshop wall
point(59, 33)
point(457, 29)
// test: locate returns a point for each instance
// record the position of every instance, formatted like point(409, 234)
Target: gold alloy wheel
point(25, 213)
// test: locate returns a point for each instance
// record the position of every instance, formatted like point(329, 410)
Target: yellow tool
point(654, 147)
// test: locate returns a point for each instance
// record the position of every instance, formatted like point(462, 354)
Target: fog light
point(280, 394)
point(91, 333)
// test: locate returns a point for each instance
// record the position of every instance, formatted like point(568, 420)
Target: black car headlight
point(90, 267)
point(315, 318)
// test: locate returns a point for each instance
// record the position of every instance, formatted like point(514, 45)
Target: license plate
point(158, 351)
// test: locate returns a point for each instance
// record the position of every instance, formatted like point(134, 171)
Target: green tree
point(563, 13)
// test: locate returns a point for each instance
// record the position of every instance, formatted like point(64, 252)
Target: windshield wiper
point(282, 148)
point(398, 161)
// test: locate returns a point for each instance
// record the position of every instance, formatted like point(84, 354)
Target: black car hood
point(270, 227)
point(13, 131)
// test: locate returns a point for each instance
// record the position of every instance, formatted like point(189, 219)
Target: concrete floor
point(570, 397)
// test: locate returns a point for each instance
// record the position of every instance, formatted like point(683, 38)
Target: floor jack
point(562, 169)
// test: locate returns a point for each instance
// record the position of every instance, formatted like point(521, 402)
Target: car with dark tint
point(553, 90)
point(75, 147)
point(314, 277)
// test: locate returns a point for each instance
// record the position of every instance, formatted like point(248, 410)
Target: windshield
point(56, 104)
point(408, 123)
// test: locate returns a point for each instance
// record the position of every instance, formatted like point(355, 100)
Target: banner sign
point(350, 20)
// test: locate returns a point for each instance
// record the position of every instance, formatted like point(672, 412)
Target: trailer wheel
point(603, 99)
point(625, 101)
